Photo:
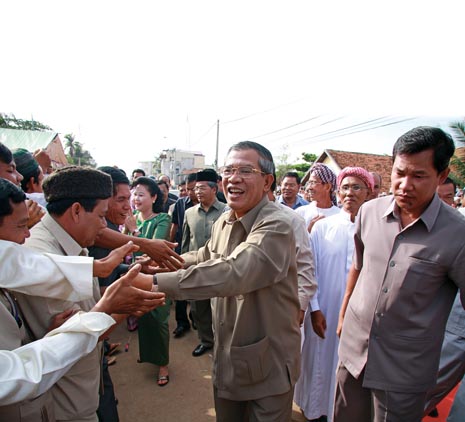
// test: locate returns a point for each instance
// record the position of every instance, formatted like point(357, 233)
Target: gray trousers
point(451, 369)
point(202, 315)
point(356, 403)
point(267, 409)
point(457, 411)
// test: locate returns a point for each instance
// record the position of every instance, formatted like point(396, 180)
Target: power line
point(285, 128)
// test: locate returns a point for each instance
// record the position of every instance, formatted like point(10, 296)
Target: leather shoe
point(180, 331)
point(200, 350)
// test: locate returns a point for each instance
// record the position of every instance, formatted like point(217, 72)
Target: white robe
point(332, 242)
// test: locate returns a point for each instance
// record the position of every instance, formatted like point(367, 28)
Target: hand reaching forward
point(104, 267)
point(123, 298)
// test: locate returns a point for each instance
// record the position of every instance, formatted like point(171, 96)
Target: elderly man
point(409, 260)
point(29, 371)
point(321, 185)
point(253, 282)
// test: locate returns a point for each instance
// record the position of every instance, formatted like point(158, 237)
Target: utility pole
point(217, 142)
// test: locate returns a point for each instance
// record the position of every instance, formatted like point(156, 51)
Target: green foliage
point(10, 121)
point(77, 155)
point(309, 157)
point(458, 130)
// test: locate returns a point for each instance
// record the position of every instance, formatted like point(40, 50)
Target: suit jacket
point(249, 268)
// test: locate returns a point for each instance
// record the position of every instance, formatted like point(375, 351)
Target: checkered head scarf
point(359, 172)
point(326, 175)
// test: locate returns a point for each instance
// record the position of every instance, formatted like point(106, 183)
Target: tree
point(10, 121)
point(458, 163)
point(77, 155)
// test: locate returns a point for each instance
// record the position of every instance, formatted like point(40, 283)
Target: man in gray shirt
point(409, 260)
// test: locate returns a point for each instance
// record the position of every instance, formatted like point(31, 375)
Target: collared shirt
point(180, 207)
point(76, 394)
point(198, 225)
point(249, 269)
point(299, 202)
point(395, 319)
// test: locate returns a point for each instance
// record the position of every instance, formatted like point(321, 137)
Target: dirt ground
point(188, 397)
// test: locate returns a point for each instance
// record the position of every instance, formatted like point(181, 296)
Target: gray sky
point(132, 78)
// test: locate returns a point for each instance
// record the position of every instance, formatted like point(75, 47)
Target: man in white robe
point(332, 243)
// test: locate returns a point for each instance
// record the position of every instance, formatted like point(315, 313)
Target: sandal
point(113, 348)
point(163, 380)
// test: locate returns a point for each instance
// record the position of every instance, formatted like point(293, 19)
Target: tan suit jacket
point(249, 268)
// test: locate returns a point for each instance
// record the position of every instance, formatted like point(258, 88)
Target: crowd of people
point(325, 295)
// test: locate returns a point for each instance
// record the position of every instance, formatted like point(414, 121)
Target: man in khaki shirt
point(248, 268)
point(408, 262)
point(77, 203)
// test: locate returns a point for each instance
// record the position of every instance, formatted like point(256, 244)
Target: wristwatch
point(136, 232)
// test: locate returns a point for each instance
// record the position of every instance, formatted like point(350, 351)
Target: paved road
point(187, 398)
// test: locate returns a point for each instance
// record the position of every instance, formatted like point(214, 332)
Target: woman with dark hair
point(151, 222)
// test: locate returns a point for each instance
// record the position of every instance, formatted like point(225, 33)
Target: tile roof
point(337, 160)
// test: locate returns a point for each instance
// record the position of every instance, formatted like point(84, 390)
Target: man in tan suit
point(248, 268)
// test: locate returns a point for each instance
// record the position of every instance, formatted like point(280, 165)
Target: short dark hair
point(118, 177)
point(138, 171)
point(9, 193)
point(423, 138)
point(192, 177)
point(6, 156)
point(449, 181)
point(294, 175)
point(265, 162)
point(152, 187)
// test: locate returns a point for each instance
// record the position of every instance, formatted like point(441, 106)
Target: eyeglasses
point(354, 188)
point(200, 188)
point(242, 171)
point(312, 183)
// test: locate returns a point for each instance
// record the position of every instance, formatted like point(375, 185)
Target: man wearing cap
point(321, 185)
point(198, 222)
point(32, 174)
point(77, 201)
point(9, 172)
point(28, 371)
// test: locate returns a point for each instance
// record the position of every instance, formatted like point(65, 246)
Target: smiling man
point(290, 187)
point(252, 280)
point(77, 202)
point(408, 262)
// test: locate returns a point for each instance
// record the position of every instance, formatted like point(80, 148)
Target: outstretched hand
point(123, 298)
point(161, 251)
point(104, 267)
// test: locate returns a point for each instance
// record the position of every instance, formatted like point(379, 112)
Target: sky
point(130, 79)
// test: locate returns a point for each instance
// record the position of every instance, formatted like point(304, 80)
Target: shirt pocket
point(252, 363)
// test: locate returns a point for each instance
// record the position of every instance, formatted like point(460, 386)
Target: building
point(175, 163)
point(33, 140)
point(337, 160)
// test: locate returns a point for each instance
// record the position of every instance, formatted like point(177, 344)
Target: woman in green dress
point(148, 221)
